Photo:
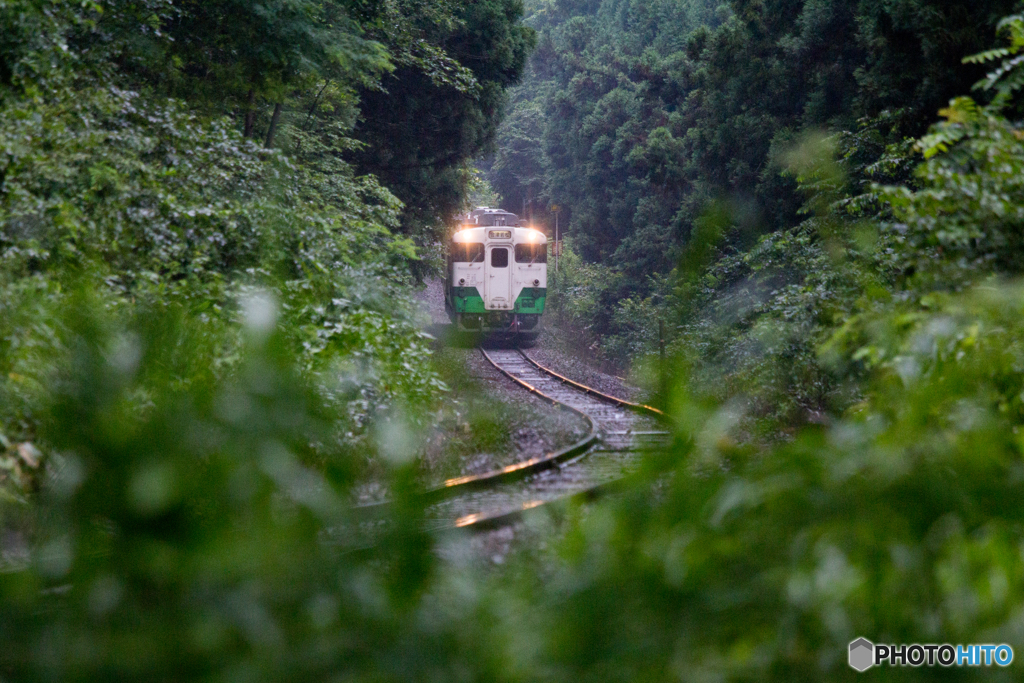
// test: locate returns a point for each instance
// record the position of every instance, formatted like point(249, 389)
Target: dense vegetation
point(175, 159)
point(635, 115)
point(200, 285)
point(207, 342)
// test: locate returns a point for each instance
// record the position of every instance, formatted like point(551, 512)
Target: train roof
point(487, 217)
point(482, 210)
point(519, 235)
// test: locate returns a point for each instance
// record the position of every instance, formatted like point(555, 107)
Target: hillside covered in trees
point(212, 219)
point(683, 135)
point(635, 114)
point(165, 158)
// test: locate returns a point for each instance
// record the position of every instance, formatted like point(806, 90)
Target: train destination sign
point(501, 234)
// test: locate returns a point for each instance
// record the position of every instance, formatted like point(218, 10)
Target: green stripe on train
point(531, 301)
point(468, 300)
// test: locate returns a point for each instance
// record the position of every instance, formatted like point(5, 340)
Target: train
point(496, 279)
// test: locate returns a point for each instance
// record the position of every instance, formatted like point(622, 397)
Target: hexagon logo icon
point(862, 654)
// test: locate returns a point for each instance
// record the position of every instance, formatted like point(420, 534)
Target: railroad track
point(619, 433)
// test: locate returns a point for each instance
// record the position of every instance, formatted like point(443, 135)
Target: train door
point(499, 278)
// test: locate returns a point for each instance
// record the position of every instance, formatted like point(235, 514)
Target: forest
point(686, 144)
point(797, 225)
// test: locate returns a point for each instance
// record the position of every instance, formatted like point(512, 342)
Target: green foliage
point(756, 328)
point(1006, 79)
point(203, 344)
point(969, 208)
point(186, 522)
point(518, 172)
point(197, 339)
point(278, 66)
point(898, 519)
point(418, 137)
point(898, 523)
point(653, 110)
point(151, 205)
point(206, 345)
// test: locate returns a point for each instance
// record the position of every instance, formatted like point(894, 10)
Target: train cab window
point(531, 253)
point(499, 258)
point(467, 253)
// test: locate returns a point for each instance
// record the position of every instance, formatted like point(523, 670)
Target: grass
point(476, 430)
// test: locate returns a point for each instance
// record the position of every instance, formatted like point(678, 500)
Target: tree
point(418, 137)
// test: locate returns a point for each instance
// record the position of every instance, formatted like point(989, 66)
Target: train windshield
point(463, 252)
point(531, 253)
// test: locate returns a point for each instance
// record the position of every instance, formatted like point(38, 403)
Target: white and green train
point(497, 275)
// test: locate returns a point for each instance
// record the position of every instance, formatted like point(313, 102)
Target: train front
point(497, 277)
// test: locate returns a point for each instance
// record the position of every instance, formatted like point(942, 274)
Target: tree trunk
point(316, 103)
point(250, 114)
point(273, 126)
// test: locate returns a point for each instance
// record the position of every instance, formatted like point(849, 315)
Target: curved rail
point(534, 465)
point(495, 519)
point(521, 470)
point(622, 403)
point(512, 472)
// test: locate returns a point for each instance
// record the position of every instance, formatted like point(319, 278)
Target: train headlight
point(536, 283)
point(462, 281)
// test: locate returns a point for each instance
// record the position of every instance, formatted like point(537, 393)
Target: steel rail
point(486, 520)
point(498, 519)
point(622, 403)
point(513, 472)
point(534, 465)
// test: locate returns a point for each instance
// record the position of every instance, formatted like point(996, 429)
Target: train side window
point(531, 253)
point(499, 258)
point(462, 252)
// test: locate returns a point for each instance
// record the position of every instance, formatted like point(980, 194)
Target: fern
point(988, 56)
point(962, 114)
point(1009, 76)
point(1015, 24)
